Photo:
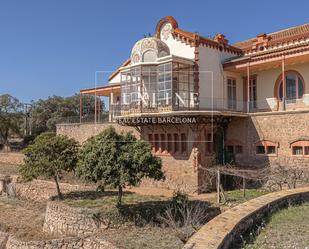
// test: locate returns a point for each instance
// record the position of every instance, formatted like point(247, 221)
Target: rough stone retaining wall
point(40, 190)
point(81, 132)
point(224, 229)
point(64, 243)
point(65, 220)
point(11, 158)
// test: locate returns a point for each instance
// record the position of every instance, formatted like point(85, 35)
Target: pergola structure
point(104, 91)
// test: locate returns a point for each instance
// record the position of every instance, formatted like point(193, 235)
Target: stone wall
point(81, 132)
point(11, 158)
point(61, 219)
point(182, 170)
point(226, 228)
point(64, 243)
point(281, 128)
point(40, 190)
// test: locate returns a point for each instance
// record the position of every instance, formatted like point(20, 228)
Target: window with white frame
point(164, 84)
point(294, 86)
point(231, 93)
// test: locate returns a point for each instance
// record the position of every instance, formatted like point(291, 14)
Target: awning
point(102, 91)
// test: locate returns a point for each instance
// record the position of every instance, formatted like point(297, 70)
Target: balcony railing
point(204, 105)
point(209, 104)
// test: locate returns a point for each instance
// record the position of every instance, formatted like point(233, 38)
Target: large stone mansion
point(201, 101)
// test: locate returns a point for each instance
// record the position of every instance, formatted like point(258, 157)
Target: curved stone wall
point(221, 232)
point(65, 220)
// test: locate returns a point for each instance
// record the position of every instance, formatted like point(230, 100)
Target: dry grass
point(285, 229)
point(22, 218)
point(143, 237)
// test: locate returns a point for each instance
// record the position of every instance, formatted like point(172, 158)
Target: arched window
point(149, 56)
point(294, 86)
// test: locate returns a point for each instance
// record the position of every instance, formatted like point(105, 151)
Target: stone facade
point(183, 169)
point(280, 128)
point(81, 132)
point(40, 190)
point(61, 219)
point(186, 171)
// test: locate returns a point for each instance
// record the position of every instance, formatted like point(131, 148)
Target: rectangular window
point(306, 151)
point(164, 84)
point(169, 143)
point(176, 143)
point(297, 150)
point(271, 150)
point(163, 142)
point(238, 149)
point(260, 149)
point(156, 142)
point(231, 93)
point(183, 143)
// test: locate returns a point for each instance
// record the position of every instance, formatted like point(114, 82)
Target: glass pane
point(297, 150)
point(260, 149)
point(300, 88)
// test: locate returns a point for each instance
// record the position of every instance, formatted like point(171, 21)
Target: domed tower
point(148, 50)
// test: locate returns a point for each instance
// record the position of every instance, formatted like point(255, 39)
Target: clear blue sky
point(54, 47)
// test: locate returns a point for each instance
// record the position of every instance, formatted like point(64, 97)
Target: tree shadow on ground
point(89, 195)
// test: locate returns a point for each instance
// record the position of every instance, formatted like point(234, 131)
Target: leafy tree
point(49, 156)
point(46, 113)
point(10, 117)
point(117, 160)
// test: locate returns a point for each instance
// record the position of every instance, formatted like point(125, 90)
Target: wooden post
point(99, 108)
point(244, 186)
point(248, 87)
point(218, 185)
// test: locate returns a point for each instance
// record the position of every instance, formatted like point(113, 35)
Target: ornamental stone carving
point(166, 31)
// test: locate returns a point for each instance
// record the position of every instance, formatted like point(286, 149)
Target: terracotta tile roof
point(276, 38)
